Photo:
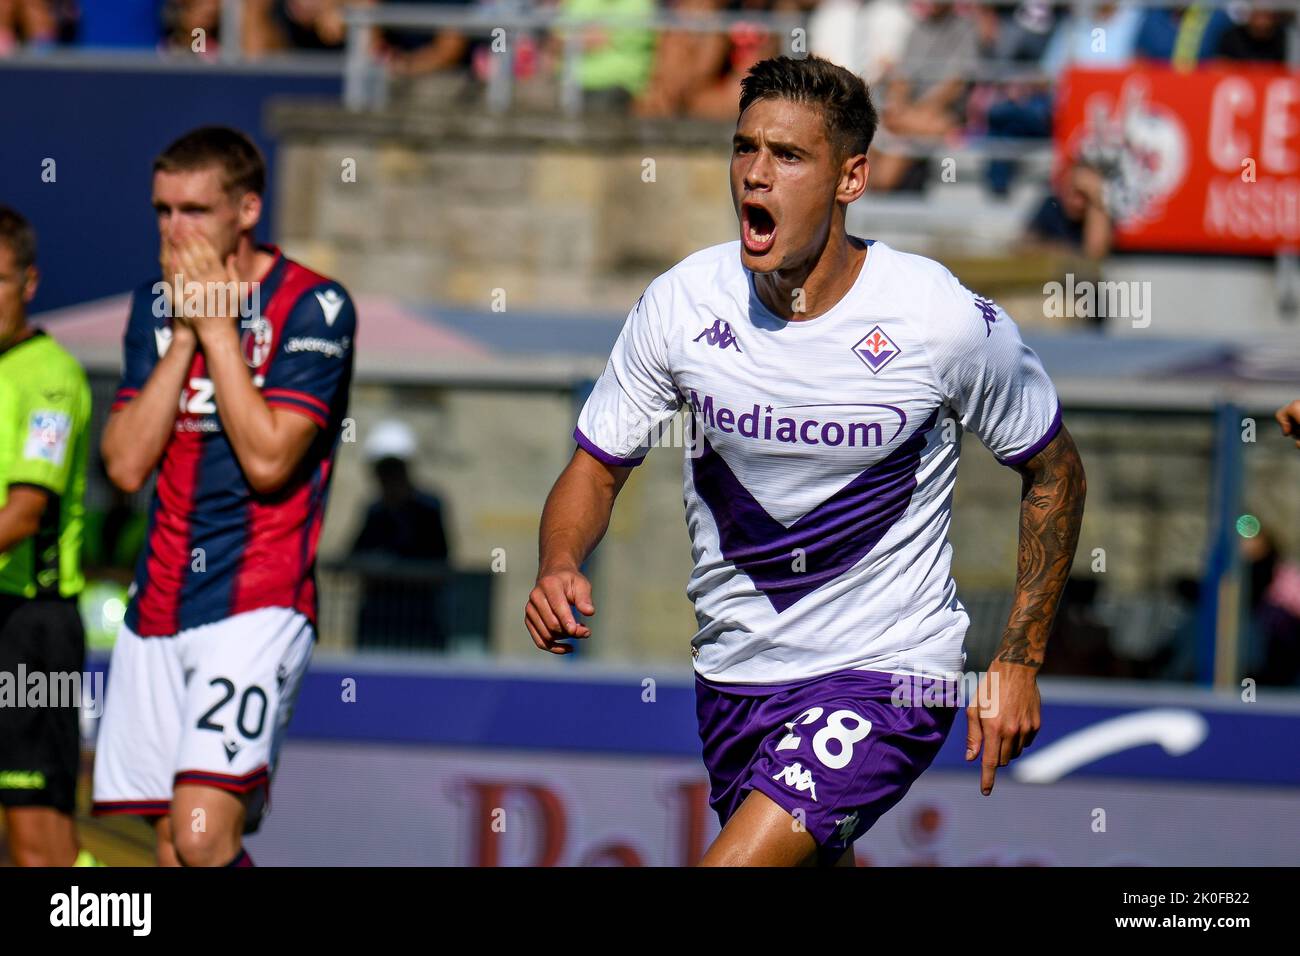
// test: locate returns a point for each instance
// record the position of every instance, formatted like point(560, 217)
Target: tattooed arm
point(1051, 510)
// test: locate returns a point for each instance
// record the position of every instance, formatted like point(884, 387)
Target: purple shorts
point(835, 752)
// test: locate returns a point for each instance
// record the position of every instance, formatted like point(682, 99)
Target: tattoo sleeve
point(1051, 510)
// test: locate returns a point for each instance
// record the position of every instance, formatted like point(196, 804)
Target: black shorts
point(40, 744)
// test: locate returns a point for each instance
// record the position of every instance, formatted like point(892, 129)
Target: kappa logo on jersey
point(799, 778)
point(989, 309)
point(720, 334)
point(162, 339)
point(876, 349)
point(331, 303)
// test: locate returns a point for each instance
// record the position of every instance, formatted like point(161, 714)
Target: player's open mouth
point(757, 228)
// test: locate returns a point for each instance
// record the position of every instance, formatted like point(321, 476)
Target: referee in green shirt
point(44, 421)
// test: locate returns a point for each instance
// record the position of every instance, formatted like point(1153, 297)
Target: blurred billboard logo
point(1193, 162)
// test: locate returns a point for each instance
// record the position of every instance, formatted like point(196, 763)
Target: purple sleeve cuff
point(1037, 446)
point(602, 456)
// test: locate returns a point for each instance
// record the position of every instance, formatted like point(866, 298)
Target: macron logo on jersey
point(719, 334)
point(162, 338)
point(331, 303)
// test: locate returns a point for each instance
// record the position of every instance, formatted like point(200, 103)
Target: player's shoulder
point(702, 275)
point(930, 291)
point(54, 369)
point(314, 296)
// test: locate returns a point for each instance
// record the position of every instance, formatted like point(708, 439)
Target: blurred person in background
point(309, 24)
point(1261, 38)
point(45, 413)
point(1288, 416)
point(404, 530)
point(192, 25)
point(614, 64)
point(26, 23)
point(867, 38)
point(1019, 109)
point(410, 52)
point(1181, 36)
point(1073, 219)
point(699, 74)
point(1273, 606)
point(1107, 39)
point(925, 94)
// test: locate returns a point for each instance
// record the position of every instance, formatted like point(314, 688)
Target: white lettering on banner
point(1232, 98)
point(1235, 112)
point(1268, 209)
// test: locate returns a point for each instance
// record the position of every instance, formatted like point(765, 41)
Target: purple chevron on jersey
point(825, 542)
point(876, 349)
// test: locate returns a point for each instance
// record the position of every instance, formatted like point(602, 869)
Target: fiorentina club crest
point(876, 349)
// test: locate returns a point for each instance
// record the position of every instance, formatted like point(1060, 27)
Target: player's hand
point(1010, 722)
point(196, 261)
point(549, 615)
point(1288, 416)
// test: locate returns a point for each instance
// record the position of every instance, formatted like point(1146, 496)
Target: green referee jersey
point(44, 438)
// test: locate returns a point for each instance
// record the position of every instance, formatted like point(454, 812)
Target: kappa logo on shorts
point(799, 778)
point(847, 825)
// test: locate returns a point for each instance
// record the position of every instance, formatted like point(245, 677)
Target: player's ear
point(31, 280)
point(250, 211)
point(853, 177)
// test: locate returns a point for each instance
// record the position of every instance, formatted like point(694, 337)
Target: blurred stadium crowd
point(930, 57)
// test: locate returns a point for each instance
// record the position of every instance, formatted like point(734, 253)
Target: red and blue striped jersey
point(215, 547)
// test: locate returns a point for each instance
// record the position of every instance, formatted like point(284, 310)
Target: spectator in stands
point(1074, 219)
point(422, 52)
point(192, 25)
point(403, 530)
point(295, 25)
point(1107, 39)
point(1260, 39)
point(614, 65)
point(925, 94)
point(27, 23)
point(867, 38)
point(1273, 586)
point(1019, 108)
point(699, 74)
point(1181, 36)
point(1288, 416)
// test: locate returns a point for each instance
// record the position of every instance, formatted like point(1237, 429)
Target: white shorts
point(208, 706)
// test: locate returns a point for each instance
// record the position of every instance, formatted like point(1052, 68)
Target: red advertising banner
point(1206, 161)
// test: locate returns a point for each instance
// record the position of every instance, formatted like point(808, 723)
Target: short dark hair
point(17, 233)
point(240, 161)
point(840, 96)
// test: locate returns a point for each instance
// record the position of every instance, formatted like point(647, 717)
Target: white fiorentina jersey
point(819, 482)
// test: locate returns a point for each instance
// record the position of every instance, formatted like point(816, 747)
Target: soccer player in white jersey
point(829, 379)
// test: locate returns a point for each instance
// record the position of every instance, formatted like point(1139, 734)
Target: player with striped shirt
point(237, 362)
